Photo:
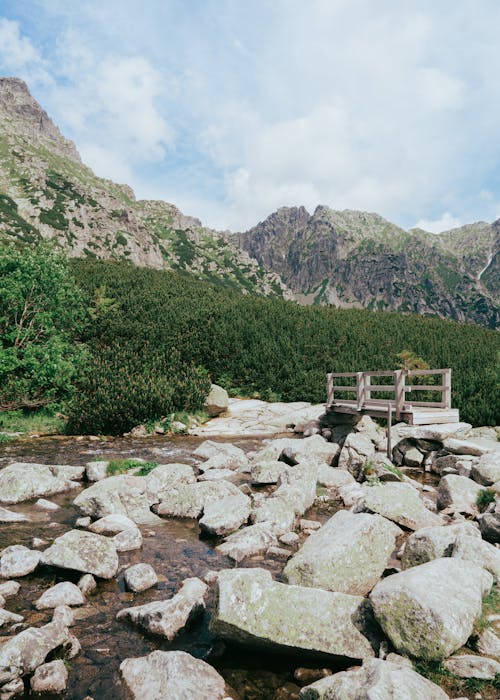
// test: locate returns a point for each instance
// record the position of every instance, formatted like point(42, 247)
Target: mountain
point(47, 192)
point(344, 258)
point(357, 259)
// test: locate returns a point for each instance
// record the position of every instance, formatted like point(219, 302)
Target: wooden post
point(399, 391)
point(389, 425)
point(368, 381)
point(360, 389)
point(446, 397)
point(329, 389)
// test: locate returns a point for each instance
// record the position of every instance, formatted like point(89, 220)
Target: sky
point(230, 109)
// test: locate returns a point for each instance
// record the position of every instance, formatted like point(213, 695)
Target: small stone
point(289, 538)
point(9, 588)
point(64, 593)
point(37, 542)
point(279, 553)
point(44, 504)
point(7, 617)
point(95, 471)
point(51, 677)
point(18, 560)
point(112, 524)
point(87, 584)
point(488, 643)
point(471, 666)
point(64, 615)
point(140, 577)
point(128, 540)
point(9, 516)
point(305, 676)
point(309, 524)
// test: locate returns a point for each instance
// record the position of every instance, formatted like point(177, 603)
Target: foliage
point(409, 360)
point(484, 498)
point(263, 345)
point(45, 420)
point(490, 606)
point(42, 314)
point(121, 466)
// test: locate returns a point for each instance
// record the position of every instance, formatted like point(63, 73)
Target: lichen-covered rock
point(488, 643)
point(254, 609)
point(348, 554)
point(482, 553)
point(18, 560)
point(459, 493)
point(9, 588)
point(471, 666)
point(487, 470)
point(23, 481)
point(313, 449)
point(8, 618)
point(97, 470)
point(248, 542)
point(437, 431)
point(430, 543)
point(333, 478)
point(356, 452)
point(464, 447)
point(26, 651)
point(164, 476)
point(123, 494)
point(140, 577)
point(111, 524)
point(267, 471)
point(83, 551)
point(399, 502)
point(217, 400)
point(167, 617)
point(189, 500)
point(87, 584)
point(171, 675)
point(429, 610)
point(64, 593)
point(225, 515)
point(375, 680)
point(51, 677)
point(127, 540)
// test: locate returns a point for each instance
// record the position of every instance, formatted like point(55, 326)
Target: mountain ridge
point(346, 258)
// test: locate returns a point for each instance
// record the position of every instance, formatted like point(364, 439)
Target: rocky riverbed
point(297, 565)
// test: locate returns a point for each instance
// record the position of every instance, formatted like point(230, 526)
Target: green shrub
point(121, 466)
point(484, 498)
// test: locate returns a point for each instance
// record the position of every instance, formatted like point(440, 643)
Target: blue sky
point(230, 108)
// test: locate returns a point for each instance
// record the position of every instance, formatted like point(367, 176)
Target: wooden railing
point(399, 388)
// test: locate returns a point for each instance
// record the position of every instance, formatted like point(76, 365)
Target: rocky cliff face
point(47, 192)
point(351, 258)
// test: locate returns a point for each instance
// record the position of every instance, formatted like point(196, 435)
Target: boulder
point(9, 516)
point(488, 643)
point(482, 553)
point(26, 651)
point(44, 504)
point(253, 609)
point(164, 476)
point(487, 470)
point(140, 577)
point(489, 524)
point(311, 449)
point(64, 615)
point(356, 452)
point(375, 680)
point(227, 460)
point(64, 593)
point(333, 478)
point(267, 471)
point(458, 493)
point(83, 551)
point(413, 457)
point(9, 589)
point(428, 611)
point(248, 542)
point(122, 494)
point(348, 554)
point(430, 543)
point(226, 514)
point(471, 666)
point(8, 618)
point(189, 500)
point(127, 540)
point(437, 431)
point(217, 401)
point(399, 502)
point(111, 524)
point(171, 675)
point(66, 471)
point(23, 481)
point(51, 677)
point(464, 447)
point(18, 560)
point(218, 475)
point(96, 470)
point(167, 617)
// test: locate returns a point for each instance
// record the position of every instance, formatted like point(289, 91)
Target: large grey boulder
point(429, 610)
point(312, 449)
point(127, 540)
point(217, 400)
point(471, 666)
point(189, 500)
point(348, 554)
point(111, 524)
point(430, 543)
point(164, 476)
point(458, 493)
point(83, 551)
point(18, 560)
point(23, 481)
point(356, 452)
point(334, 478)
point(464, 447)
point(225, 515)
point(64, 593)
point(400, 503)
point(248, 542)
point(167, 617)
point(122, 494)
point(171, 675)
point(482, 553)
point(375, 680)
point(26, 651)
point(436, 431)
point(487, 470)
point(267, 471)
point(253, 609)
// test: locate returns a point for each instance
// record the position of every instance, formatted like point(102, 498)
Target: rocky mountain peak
point(22, 118)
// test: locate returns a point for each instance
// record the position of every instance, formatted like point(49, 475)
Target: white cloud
point(18, 56)
point(444, 223)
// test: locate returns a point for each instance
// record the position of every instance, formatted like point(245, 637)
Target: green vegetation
point(121, 466)
point(484, 498)
point(42, 313)
point(490, 606)
point(45, 421)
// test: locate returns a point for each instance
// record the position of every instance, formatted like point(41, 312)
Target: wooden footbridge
point(395, 391)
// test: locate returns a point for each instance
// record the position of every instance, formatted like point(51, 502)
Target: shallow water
point(174, 549)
